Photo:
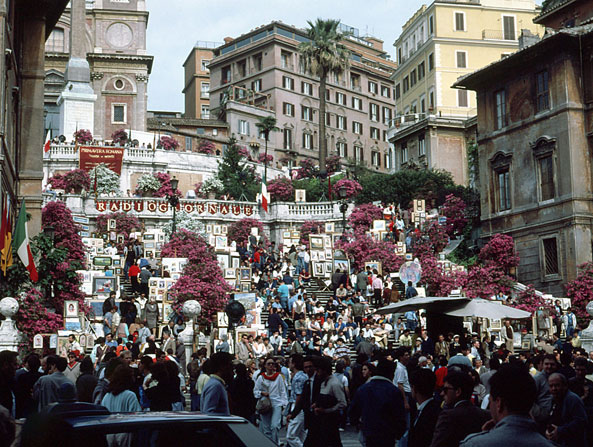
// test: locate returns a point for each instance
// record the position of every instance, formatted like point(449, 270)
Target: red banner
point(91, 156)
point(162, 206)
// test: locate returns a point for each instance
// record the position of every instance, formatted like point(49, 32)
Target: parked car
point(96, 427)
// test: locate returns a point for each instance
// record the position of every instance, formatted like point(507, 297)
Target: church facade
point(115, 43)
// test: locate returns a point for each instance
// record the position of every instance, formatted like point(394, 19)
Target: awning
point(430, 303)
point(487, 309)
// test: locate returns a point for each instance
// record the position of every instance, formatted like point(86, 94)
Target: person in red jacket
point(133, 273)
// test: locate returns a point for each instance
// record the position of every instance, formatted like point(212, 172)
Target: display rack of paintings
point(158, 288)
point(374, 265)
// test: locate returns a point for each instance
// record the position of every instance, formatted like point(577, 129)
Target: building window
point(406, 83)
point(462, 99)
point(119, 84)
point(242, 68)
point(431, 101)
point(205, 112)
point(413, 78)
point(256, 85)
point(341, 122)
point(386, 115)
point(398, 91)
point(358, 155)
point(288, 109)
point(188, 141)
point(421, 146)
point(550, 249)
point(287, 139)
point(376, 158)
point(356, 103)
point(414, 107)
point(430, 61)
point(341, 98)
point(503, 189)
point(286, 59)
point(55, 41)
point(542, 90)
point(501, 109)
point(461, 57)
point(421, 71)
point(118, 113)
point(422, 104)
point(306, 113)
point(374, 112)
point(257, 62)
point(328, 120)
point(385, 91)
point(307, 88)
point(431, 25)
point(205, 90)
point(342, 149)
point(357, 127)
point(508, 28)
point(375, 133)
point(459, 21)
point(205, 63)
point(404, 153)
point(307, 141)
point(546, 177)
point(243, 127)
point(226, 74)
point(373, 87)
point(388, 160)
point(288, 83)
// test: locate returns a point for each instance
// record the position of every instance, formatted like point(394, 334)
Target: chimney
point(228, 40)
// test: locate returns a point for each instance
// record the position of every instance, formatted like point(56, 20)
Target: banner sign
point(91, 156)
point(162, 206)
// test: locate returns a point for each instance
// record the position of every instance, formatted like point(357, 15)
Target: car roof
point(142, 418)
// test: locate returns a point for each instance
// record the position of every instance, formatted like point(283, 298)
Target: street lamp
point(343, 193)
point(174, 201)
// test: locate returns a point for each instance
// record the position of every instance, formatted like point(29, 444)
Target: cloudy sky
point(175, 26)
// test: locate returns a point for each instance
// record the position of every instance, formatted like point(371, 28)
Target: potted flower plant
point(212, 186)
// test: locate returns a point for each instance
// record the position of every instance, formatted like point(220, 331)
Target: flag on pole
point(46, 146)
point(265, 197)
point(6, 236)
point(21, 242)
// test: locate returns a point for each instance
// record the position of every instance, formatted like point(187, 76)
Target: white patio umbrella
point(479, 307)
point(435, 303)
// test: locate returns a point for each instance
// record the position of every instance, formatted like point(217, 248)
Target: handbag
point(264, 405)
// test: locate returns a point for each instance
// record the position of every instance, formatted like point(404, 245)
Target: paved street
point(349, 437)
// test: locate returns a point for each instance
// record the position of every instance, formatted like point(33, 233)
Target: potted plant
point(147, 185)
point(212, 186)
point(169, 143)
point(119, 137)
point(83, 136)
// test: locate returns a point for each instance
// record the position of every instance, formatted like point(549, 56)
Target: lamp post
point(174, 201)
point(343, 193)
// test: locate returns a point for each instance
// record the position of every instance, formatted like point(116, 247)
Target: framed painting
point(224, 229)
point(209, 228)
point(223, 260)
point(245, 273)
point(148, 237)
point(318, 269)
point(374, 265)
point(71, 309)
point(328, 254)
point(235, 262)
point(216, 229)
point(232, 283)
point(286, 235)
point(379, 225)
point(328, 268)
point(342, 264)
point(221, 242)
point(327, 241)
point(314, 255)
point(62, 347)
point(330, 227)
point(245, 287)
point(230, 273)
point(104, 285)
point(315, 242)
point(222, 319)
point(300, 195)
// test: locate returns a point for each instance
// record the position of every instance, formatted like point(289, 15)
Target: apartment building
point(262, 72)
point(196, 89)
point(438, 44)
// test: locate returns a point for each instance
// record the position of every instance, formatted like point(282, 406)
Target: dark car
point(99, 428)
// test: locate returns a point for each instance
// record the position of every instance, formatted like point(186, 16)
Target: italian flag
point(47, 145)
point(21, 242)
point(265, 197)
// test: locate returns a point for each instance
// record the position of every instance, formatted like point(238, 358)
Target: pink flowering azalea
point(351, 187)
point(169, 143)
point(362, 216)
point(262, 158)
point(240, 230)
point(281, 189)
point(580, 291)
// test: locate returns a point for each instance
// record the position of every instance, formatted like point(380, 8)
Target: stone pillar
point(30, 159)
point(191, 309)
point(9, 334)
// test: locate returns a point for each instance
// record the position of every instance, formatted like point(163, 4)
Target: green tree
point(234, 173)
point(266, 125)
point(322, 55)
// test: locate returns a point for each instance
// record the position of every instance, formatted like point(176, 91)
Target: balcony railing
point(497, 34)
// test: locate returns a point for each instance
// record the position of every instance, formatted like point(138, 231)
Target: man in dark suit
point(423, 382)
point(459, 417)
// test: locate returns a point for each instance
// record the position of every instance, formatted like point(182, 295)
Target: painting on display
point(342, 264)
point(246, 299)
point(374, 265)
point(318, 269)
point(316, 242)
point(71, 309)
point(104, 285)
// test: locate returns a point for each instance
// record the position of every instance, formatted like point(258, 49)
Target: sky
point(174, 26)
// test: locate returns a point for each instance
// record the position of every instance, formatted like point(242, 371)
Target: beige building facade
point(440, 43)
point(115, 45)
point(265, 65)
point(196, 89)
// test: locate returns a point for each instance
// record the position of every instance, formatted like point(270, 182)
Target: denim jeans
point(295, 431)
point(270, 423)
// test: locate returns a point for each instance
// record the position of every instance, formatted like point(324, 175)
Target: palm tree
point(324, 54)
point(266, 125)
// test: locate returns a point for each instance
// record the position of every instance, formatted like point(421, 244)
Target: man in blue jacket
point(214, 399)
point(379, 405)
